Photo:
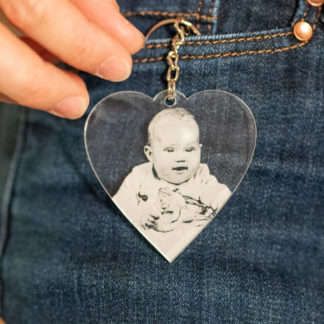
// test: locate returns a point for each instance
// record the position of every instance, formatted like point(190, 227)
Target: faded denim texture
point(69, 256)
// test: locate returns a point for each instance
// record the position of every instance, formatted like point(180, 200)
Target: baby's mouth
point(180, 168)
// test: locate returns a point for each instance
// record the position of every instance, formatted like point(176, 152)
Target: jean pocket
point(268, 41)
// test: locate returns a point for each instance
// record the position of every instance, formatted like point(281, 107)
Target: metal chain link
point(173, 56)
point(183, 28)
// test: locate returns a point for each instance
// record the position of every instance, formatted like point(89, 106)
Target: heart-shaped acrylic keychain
point(170, 163)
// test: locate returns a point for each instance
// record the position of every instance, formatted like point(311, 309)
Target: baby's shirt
point(142, 190)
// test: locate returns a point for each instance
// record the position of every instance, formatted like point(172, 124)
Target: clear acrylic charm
point(170, 167)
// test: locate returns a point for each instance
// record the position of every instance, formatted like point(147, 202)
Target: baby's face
point(175, 150)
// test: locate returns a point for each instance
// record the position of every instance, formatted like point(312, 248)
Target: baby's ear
point(148, 152)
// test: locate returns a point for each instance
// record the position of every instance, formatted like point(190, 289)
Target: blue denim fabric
point(69, 256)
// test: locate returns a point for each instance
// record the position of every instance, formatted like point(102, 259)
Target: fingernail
point(72, 107)
point(114, 69)
point(138, 42)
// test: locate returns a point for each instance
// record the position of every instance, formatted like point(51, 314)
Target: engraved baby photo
point(173, 188)
point(170, 169)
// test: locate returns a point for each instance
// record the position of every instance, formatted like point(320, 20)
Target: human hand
point(197, 212)
point(165, 212)
point(167, 221)
point(170, 200)
point(170, 204)
point(160, 222)
point(89, 35)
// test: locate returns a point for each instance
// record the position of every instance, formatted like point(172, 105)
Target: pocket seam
point(195, 15)
point(233, 40)
point(221, 41)
point(218, 55)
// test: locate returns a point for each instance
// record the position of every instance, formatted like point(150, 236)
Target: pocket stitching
point(221, 41)
point(200, 4)
point(196, 15)
point(232, 54)
point(218, 55)
point(210, 14)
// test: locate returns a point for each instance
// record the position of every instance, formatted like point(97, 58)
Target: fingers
point(148, 221)
point(105, 13)
point(62, 29)
point(89, 35)
point(6, 99)
point(41, 51)
point(26, 79)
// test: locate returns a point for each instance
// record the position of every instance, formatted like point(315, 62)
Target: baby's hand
point(170, 200)
point(89, 35)
point(164, 214)
point(197, 212)
point(168, 221)
point(149, 217)
point(160, 222)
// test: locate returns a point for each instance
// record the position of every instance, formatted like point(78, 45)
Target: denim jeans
point(68, 254)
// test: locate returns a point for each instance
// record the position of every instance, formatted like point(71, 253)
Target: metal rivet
point(316, 3)
point(303, 31)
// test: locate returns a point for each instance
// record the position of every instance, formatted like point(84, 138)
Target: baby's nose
point(179, 157)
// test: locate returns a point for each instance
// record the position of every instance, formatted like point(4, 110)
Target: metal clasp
point(183, 28)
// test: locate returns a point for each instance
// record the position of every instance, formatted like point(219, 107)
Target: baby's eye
point(190, 149)
point(169, 149)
